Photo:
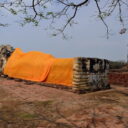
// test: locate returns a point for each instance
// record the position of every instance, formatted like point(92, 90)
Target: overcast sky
point(88, 38)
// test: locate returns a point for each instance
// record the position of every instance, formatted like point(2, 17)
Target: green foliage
point(26, 115)
point(50, 13)
point(41, 15)
point(30, 20)
point(3, 25)
point(54, 34)
point(104, 15)
point(14, 12)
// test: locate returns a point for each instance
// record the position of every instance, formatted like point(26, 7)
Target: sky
point(87, 38)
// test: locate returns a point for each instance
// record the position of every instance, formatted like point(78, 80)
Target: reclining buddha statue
point(79, 73)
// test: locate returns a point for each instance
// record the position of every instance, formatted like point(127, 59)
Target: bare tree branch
point(34, 11)
point(100, 16)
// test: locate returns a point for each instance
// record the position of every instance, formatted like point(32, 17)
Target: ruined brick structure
point(90, 74)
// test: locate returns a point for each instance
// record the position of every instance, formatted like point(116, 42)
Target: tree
point(34, 11)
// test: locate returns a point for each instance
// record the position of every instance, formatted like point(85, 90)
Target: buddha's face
point(6, 50)
point(5, 53)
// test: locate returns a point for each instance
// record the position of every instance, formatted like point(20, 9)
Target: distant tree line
point(117, 64)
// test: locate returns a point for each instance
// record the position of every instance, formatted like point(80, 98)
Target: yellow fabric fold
point(61, 71)
point(33, 65)
point(38, 66)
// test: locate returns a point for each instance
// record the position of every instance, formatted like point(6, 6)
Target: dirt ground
point(35, 106)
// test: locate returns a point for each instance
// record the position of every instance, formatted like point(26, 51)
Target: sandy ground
point(35, 106)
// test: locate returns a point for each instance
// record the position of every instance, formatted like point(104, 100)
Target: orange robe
point(38, 66)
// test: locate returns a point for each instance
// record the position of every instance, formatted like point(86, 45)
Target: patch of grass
point(44, 103)
point(26, 116)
